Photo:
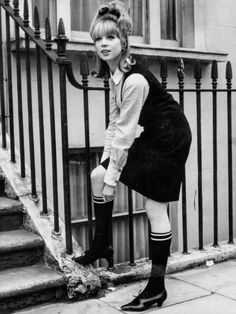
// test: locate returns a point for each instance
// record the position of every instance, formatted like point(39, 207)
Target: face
point(108, 47)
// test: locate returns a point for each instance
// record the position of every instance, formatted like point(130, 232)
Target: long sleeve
point(134, 94)
point(110, 131)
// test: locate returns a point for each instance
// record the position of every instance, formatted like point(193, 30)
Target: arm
point(110, 131)
point(135, 91)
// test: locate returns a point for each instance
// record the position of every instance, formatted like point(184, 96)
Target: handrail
point(29, 31)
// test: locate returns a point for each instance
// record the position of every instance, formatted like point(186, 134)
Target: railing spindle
point(184, 211)
point(107, 99)
point(16, 7)
point(229, 77)
point(198, 77)
point(30, 119)
point(41, 117)
point(19, 92)
point(131, 227)
point(62, 63)
point(10, 95)
point(2, 89)
point(214, 76)
point(84, 71)
point(53, 130)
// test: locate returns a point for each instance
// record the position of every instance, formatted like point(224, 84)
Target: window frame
point(151, 26)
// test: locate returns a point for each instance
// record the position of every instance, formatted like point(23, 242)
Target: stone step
point(24, 286)
point(19, 248)
point(11, 214)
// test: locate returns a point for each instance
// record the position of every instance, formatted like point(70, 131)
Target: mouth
point(105, 51)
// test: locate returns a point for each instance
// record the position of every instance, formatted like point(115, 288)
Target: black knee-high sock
point(103, 215)
point(160, 249)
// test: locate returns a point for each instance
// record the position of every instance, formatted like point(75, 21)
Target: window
point(175, 28)
point(82, 13)
point(168, 19)
point(160, 23)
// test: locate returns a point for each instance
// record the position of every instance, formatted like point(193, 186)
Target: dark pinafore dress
point(156, 159)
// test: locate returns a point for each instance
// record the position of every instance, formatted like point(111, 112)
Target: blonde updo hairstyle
point(113, 19)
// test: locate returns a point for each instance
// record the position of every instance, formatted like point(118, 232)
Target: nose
point(104, 41)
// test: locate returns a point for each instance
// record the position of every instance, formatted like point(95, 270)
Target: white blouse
point(123, 124)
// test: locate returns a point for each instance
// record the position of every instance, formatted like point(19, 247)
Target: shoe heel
point(159, 303)
point(110, 262)
point(162, 300)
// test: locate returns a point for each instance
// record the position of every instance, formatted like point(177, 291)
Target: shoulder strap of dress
point(127, 74)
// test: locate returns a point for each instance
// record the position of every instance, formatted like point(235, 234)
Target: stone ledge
point(123, 273)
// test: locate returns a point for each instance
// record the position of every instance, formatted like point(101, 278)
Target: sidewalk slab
point(178, 291)
point(203, 290)
point(213, 304)
point(80, 307)
point(220, 278)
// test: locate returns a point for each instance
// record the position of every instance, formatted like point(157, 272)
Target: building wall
point(220, 35)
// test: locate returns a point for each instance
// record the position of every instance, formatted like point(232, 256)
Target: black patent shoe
point(144, 300)
point(90, 256)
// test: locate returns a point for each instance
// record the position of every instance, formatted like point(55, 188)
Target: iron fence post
point(62, 63)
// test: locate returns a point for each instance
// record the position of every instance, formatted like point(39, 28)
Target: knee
point(155, 210)
point(97, 175)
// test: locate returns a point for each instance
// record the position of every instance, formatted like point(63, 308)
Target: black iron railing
point(214, 91)
point(43, 48)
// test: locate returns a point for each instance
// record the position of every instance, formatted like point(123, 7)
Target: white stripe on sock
point(161, 236)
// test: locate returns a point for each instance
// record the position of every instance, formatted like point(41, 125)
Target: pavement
point(207, 290)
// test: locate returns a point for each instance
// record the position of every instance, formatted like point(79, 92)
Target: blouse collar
point(117, 76)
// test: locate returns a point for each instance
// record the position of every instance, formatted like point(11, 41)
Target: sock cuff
point(98, 199)
point(155, 236)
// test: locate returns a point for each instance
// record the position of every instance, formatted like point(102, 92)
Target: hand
point(108, 193)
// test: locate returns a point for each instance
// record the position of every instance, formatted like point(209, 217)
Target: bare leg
point(157, 215)
point(97, 179)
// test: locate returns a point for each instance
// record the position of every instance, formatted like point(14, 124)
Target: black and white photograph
point(117, 156)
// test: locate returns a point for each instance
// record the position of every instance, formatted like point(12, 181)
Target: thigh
point(97, 179)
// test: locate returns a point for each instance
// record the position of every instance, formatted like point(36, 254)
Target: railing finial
point(84, 67)
point(214, 70)
point(26, 13)
point(61, 28)
point(16, 7)
point(180, 70)
point(36, 23)
point(228, 73)
point(61, 40)
point(180, 73)
point(198, 70)
point(48, 36)
point(164, 72)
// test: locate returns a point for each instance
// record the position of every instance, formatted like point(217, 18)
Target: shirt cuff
point(105, 155)
point(112, 175)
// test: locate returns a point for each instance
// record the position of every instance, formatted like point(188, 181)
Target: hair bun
point(114, 10)
point(103, 10)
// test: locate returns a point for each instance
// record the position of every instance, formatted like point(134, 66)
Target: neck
point(113, 64)
point(113, 68)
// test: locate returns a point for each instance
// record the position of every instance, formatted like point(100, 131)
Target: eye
point(97, 39)
point(111, 36)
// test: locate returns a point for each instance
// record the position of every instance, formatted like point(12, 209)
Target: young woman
point(151, 162)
